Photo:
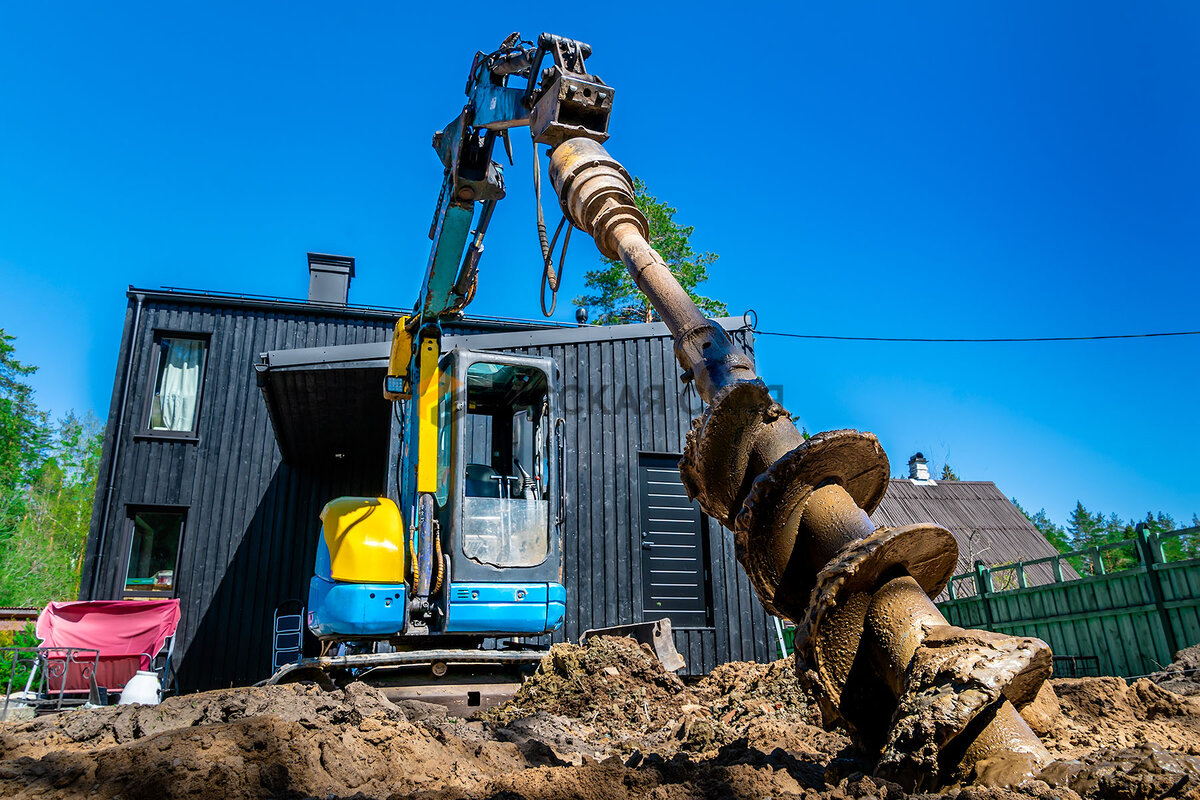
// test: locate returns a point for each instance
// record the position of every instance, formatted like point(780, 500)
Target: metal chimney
point(329, 278)
point(918, 469)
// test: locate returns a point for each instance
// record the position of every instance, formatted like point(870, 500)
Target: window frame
point(192, 435)
point(131, 511)
point(463, 396)
point(464, 568)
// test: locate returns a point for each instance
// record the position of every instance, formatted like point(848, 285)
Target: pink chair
point(127, 635)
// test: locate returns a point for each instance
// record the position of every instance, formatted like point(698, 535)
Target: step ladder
point(287, 640)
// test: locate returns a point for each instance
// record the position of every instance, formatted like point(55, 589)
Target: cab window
point(505, 503)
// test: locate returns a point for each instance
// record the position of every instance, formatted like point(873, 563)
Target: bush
point(21, 638)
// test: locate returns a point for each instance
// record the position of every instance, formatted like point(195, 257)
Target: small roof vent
point(329, 278)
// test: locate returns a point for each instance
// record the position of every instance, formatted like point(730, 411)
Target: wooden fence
point(1129, 621)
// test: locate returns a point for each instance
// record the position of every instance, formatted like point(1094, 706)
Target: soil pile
point(1183, 675)
point(1097, 713)
point(602, 722)
point(625, 699)
point(280, 741)
point(614, 682)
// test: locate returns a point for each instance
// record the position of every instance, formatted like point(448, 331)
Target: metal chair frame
point(46, 664)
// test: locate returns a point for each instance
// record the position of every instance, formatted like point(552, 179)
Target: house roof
point(987, 526)
point(326, 403)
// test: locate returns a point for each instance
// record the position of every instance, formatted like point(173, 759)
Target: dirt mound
point(278, 741)
point(1107, 712)
point(1131, 773)
point(116, 725)
point(602, 722)
point(614, 682)
point(742, 689)
point(623, 696)
point(1183, 674)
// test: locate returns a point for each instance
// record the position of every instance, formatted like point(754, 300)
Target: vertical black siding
point(624, 397)
point(251, 522)
point(250, 530)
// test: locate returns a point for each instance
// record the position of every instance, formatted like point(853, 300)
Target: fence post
point(1097, 561)
point(1151, 552)
point(983, 587)
point(1056, 566)
point(1021, 582)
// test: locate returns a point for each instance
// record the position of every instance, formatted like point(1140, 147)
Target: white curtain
point(179, 386)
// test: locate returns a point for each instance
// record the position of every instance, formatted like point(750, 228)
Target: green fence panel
point(1130, 621)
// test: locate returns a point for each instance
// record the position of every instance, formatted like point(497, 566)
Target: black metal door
point(675, 570)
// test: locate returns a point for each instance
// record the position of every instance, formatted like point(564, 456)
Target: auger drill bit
point(934, 703)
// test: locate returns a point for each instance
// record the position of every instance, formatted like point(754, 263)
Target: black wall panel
point(251, 525)
point(250, 533)
point(623, 398)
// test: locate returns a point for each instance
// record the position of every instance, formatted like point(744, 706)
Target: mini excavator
point(470, 548)
point(934, 704)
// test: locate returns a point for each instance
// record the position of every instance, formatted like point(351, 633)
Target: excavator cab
point(497, 565)
point(500, 494)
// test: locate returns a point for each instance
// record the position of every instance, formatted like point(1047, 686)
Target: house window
point(153, 552)
point(178, 379)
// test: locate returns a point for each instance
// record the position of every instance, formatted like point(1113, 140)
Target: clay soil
point(601, 722)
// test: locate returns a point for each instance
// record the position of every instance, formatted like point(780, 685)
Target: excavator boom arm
point(558, 102)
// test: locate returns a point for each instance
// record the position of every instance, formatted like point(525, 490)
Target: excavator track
point(463, 681)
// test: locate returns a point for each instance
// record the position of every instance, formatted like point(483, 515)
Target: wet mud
point(600, 722)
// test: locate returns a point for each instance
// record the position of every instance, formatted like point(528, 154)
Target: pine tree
point(1055, 534)
point(948, 473)
point(47, 484)
point(1189, 544)
point(1085, 528)
point(23, 436)
point(617, 299)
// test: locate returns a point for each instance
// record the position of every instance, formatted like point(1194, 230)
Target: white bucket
point(142, 688)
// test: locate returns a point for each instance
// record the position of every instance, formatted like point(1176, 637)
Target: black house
point(234, 419)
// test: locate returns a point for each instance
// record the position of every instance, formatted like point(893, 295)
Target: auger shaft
point(934, 702)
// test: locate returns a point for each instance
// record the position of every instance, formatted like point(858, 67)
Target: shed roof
point(987, 526)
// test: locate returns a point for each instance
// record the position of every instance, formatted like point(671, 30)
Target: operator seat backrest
point(481, 481)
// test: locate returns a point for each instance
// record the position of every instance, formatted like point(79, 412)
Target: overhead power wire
point(751, 323)
point(976, 341)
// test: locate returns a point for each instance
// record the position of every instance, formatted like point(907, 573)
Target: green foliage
point(1055, 534)
point(617, 299)
point(44, 554)
point(23, 436)
point(47, 484)
point(948, 473)
point(1176, 548)
point(1086, 529)
point(22, 638)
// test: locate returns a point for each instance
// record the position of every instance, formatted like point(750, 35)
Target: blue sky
point(933, 169)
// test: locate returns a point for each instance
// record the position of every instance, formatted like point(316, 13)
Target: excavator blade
point(657, 634)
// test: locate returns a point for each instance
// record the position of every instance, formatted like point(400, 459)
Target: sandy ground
point(602, 722)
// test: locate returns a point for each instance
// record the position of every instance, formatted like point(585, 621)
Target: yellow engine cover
point(365, 537)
